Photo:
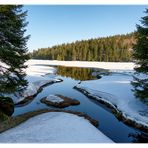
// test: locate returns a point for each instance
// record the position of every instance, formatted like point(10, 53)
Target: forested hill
point(112, 48)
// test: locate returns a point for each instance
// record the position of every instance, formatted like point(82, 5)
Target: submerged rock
point(6, 105)
point(59, 101)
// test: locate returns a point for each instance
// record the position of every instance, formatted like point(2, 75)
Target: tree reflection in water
point(76, 73)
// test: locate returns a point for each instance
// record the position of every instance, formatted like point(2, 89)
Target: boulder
point(6, 105)
point(59, 101)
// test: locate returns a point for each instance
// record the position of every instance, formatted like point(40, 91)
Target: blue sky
point(55, 24)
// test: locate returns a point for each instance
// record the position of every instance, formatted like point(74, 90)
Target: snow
point(3, 64)
point(63, 127)
point(54, 127)
point(54, 99)
point(37, 77)
point(31, 90)
point(39, 70)
point(104, 65)
point(3, 67)
point(116, 90)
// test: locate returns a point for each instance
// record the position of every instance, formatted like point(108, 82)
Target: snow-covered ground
point(103, 65)
point(60, 127)
point(55, 127)
point(37, 77)
point(116, 90)
point(37, 70)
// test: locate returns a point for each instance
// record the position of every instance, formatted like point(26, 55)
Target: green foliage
point(13, 50)
point(113, 48)
point(141, 56)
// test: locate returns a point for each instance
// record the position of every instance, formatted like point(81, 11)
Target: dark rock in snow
point(6, 105)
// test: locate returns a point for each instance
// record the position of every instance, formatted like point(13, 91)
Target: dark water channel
point(108, 123)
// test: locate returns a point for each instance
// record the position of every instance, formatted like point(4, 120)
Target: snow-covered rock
point(54, 127)
point(116, 90)
point(54, 99)
point(59, 101)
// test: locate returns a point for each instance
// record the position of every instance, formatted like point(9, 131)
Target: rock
point(99, 76)
point(61, 102)
point(6, 105)
point(119, 116)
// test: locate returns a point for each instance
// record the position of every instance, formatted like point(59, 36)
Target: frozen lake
point(108, 123)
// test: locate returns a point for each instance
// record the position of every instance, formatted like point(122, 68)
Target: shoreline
point(17, 120)
point(117, 113)
point(86, 64)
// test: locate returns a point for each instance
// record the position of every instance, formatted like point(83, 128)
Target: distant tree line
point(113, 48)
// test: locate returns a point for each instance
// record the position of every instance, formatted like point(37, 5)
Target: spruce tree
point(140, 82)
point(13, 50)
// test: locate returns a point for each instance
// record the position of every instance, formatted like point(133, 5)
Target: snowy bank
point(54, 127)
point(38, 77)
point(116, 91)
point(103, 65)
point(32, 89)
